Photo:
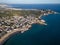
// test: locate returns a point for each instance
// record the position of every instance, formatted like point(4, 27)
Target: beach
point(8, 35)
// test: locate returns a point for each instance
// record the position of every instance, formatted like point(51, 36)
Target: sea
point(39, 34)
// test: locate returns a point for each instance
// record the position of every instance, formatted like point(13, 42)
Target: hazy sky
point(29, 1)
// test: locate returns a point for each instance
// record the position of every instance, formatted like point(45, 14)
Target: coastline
point(8, 35)
point(15, 31)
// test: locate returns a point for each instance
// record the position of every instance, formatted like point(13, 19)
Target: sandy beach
point(6, 36)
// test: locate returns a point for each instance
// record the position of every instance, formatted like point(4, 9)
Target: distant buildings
point(20, 19)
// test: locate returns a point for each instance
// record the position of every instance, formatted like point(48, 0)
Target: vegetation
point(18, 12)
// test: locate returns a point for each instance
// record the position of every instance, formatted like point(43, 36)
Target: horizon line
point(29, 3)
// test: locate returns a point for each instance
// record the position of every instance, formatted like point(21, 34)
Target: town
point(9, 24)
point(13, 20)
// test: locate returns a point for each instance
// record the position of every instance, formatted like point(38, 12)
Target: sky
point(30, 1)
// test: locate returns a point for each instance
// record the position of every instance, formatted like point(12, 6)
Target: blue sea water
point(39, 34)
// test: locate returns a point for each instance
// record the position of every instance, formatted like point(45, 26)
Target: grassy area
point(18, 12)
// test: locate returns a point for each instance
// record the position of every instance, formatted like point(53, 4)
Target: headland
point(14, 20)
